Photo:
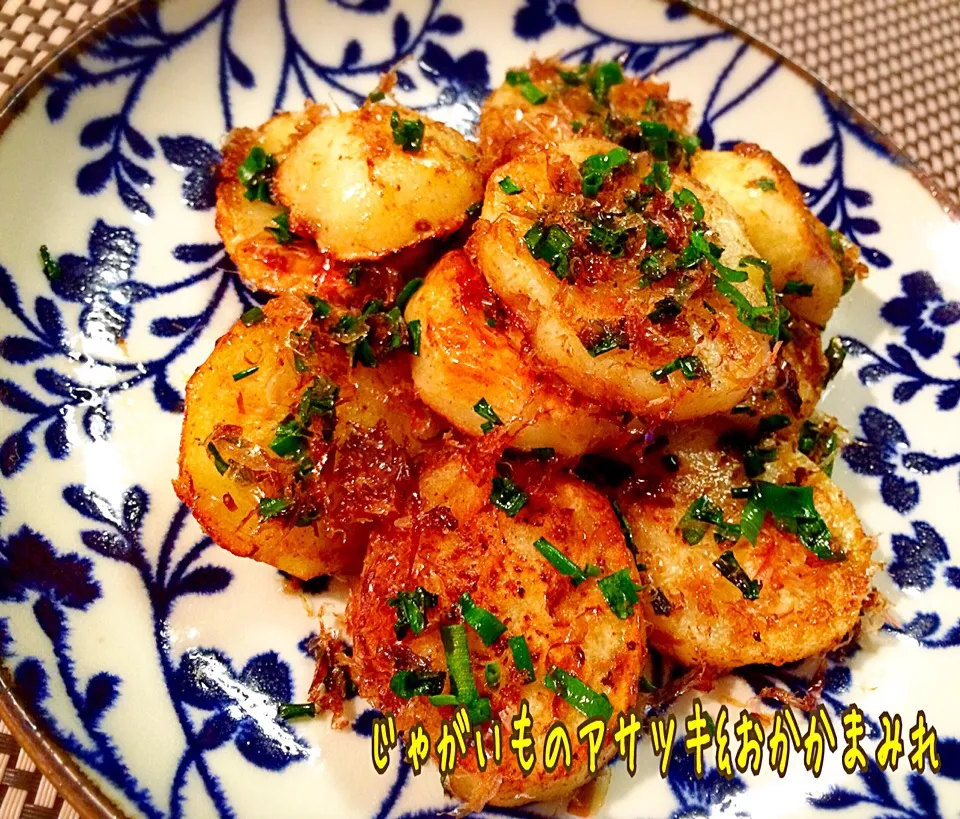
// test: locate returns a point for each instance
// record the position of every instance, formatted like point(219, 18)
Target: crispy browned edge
point(55, 763)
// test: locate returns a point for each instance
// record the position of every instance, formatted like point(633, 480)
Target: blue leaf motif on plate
point(28, 563)
point(244, 704)
point(923, 312)
point(200, 160)
point(102, 281)
point(917, 558)
point(536, 17)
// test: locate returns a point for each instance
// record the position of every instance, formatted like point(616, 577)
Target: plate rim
point(55, 763)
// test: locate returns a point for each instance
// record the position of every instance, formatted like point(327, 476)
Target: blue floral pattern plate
point(153, 660)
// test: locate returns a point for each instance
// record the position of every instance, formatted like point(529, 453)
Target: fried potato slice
point(457, 543)
point(806, 605)
point(359, 440)
point(513, 123)
point(471, 350)
point(781, 227)
point(590, 320)
point(360, 195)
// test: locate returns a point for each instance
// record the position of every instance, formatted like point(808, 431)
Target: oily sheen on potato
point(357, 427)
point(457, 542)
point(471, 351)
point(360, 195)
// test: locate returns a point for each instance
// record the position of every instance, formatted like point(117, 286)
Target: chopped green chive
point(702, 514)
point(793, 510)
point(560, 561)
point(354, 274)
point(255, 172)
point(51, 267)
point(517, 77)
point(521, 657)
point(651, 106)
point(532, 94)
point(321, 309)
point(375, 96)
point(409, 684)
point(690, 366)
point(274, 507)
point(603, 77)
point(765, 183)
point(413, 327)
point(620, 592)
point(820, 444)
point(411, 610)
point(772, 423)
point(462, 684)
point(282, 232)
point(609, 338)
point(550, 244)
point(252, 316)
point(836, 353)
point(666, 309)
point(488, 626)
point(576, 126)
point(290, 439)
point(686, 198)
point(613, 242)
point(728, 566)
point(475, 209)
point(485, 411)
point(318, 400)
point(407, 292)
point(625, 527)
point(507, 496)
point(239, 376)
point(756, 458)
point(659, 177)
point(296, 710)
point(509, 187)
point(795, 288)
point(221, 465)
point(596, 168)
point(491, 673)
point(407, 133)
point(578, 694)
point(656, 237)
point(543, 453)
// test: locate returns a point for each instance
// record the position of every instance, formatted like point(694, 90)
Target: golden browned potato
point(370, 182)
point(288, 454)
point(548, 102)
point(458, 543)
point(791, 384)
point(471, 350)
point(781, 227)
point(264, 263)
point(721, 602)
point(612, 289)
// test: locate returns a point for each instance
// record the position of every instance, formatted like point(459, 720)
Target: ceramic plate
point(153, 660)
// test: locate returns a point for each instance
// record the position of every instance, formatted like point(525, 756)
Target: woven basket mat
point(896, 60)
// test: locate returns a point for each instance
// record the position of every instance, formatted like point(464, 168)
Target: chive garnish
point(274, 507)
point(239, 376)
point(407, 133)
point(252, 316)
point(255, 172)
point(728, 566)
point(413, 327)
point(550, 244)
point(484, 410)
point(491, 673)
point(507, 496)
point(659, 176)
point(836, 353)
point(509, 187)
point(578, 694)
point(521, 656)
point(488, 626)
point(296, 710)
point(702, 514)
point(620, 592)
point(596, 168)
point(409, 684)
point(221, 465)
point(51, 267)
point(690, 366)
point(411, 610)
point(560, 561)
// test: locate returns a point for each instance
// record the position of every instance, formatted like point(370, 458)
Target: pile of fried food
point(548, 398)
